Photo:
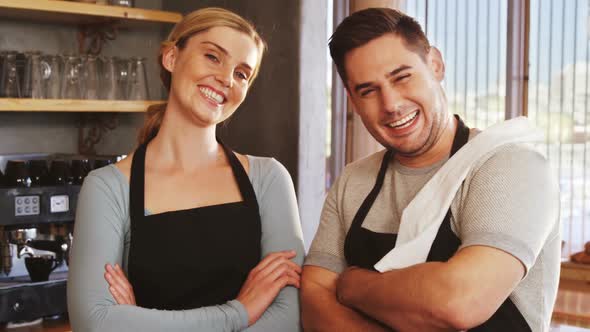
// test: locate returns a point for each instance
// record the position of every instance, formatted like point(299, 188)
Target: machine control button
point(17, 307)
point(26, 205)
point(59, 203)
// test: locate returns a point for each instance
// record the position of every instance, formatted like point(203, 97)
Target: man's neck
point(440, 150)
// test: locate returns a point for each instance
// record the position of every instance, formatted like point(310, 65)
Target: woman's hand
point(265, 281)
point(119, 286)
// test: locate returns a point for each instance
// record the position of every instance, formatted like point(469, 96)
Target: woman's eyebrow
point(224, 51)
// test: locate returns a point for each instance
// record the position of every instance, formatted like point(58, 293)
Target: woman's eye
point(212, 57)
point(241, 75)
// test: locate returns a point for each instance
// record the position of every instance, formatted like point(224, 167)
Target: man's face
point(397, 94)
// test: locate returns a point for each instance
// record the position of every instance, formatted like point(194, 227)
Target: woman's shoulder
point(109, 179)
point(265, 167)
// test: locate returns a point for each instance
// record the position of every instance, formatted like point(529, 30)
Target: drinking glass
point(54, 76)
point(125, 3)
point(137, 82)
point(17, 174)
point(90, 81)
point(36, 71)
point(110, 89)
point(10, 80)
point(78, 170)
point(59, 172)
point(39, 172)
point(70, 85)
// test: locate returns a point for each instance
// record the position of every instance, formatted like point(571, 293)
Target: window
point(558, 102)
point(471, 35)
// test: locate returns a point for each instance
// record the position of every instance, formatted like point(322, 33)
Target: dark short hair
point(363, 26)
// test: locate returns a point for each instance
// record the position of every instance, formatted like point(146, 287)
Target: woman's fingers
point(119, 283)
point(123, 278)
point(288, 280)
point(272, 257)
point(274, 264)
point(119, 292)
point(117, 296)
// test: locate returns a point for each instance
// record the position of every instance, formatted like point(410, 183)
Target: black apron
point(365, 248)
point(196, 257)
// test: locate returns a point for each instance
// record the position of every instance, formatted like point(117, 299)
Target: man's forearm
point(321, 311)
point(409, 299)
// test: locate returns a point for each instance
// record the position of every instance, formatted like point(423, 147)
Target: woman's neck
point(183, 146)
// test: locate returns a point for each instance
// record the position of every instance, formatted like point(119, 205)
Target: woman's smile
point(213, 96)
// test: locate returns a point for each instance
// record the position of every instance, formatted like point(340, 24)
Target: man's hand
point(321, 311)
point(350, 280)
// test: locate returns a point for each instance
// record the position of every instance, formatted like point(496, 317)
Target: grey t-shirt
point(509, 201)
point(102, 236)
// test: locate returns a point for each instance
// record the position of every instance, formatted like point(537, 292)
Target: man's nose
point(391, 99)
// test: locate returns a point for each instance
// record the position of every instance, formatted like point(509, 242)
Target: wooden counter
point(45, 326)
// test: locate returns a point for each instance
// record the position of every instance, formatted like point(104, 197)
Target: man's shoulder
point(514, 155)
point(367, 165)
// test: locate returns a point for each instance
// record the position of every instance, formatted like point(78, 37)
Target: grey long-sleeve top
point(102, 236)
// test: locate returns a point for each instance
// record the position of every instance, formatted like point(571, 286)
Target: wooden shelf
point(81, 13)
point(74, 105)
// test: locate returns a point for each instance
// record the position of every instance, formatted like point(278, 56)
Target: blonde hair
point(196, 22)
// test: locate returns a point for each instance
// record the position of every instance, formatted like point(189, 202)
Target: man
point(494, 264)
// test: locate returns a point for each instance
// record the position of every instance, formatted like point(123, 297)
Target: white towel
point(422, 218)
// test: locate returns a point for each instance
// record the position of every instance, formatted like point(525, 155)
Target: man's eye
point(366, 92)
point(212, 57)
point(402, 78)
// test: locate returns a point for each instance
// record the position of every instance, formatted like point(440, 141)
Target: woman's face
point(211, 74)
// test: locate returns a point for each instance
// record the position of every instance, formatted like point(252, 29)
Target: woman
point(206, 236)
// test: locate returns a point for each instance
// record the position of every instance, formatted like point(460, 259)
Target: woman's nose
point(224, 76)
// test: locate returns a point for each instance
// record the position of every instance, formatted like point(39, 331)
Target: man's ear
point(436, 63)
point(169, 58)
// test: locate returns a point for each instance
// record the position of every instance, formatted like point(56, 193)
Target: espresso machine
point(38, 196)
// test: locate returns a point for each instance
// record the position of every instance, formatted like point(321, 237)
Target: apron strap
point(241, 177)
point(136, 185)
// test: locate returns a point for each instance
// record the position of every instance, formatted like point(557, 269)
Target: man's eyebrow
point(224, 51)
point(361, 86)
point(398, 70)
point(390, 74)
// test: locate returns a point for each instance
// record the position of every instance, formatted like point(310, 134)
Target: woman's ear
point(436, 63)
point(169, 58)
